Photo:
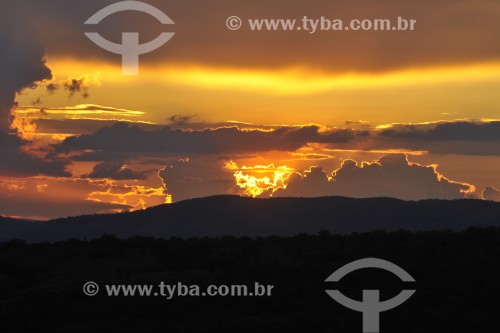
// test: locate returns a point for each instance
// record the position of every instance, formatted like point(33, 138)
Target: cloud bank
point(224, 140)
point(389, 176)
point(447, 32)
point(491, 193)
point(22, 64)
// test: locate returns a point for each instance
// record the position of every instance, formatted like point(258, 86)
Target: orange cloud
point(134, 196)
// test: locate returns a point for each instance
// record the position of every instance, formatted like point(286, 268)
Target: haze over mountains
point(241, 216)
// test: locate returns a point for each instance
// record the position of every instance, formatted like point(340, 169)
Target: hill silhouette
point(241, 216)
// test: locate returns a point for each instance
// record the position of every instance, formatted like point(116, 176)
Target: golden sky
point(409, 114)
point(294, 96)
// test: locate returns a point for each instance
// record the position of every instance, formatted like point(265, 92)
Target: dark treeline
point(457, 282)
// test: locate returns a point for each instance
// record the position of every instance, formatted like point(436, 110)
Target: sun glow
point(260, 178)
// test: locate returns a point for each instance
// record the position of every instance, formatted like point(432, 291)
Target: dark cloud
point(447, 32)
point(209, 141)
point(76, 86)
point(15, 162)
point(479, 138)
point(454, 137)
point(74, 126)
point(458, 137)
point(179, 119)
point(89, 126)
point(196, 177)
point(116, 171)
point(100, 156)
point(491, 193)
point(22, 64)
point(447, 131)
point(312, 183)
point(51, 88)
point(389, 176)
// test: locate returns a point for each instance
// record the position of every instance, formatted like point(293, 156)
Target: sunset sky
point(406, 114)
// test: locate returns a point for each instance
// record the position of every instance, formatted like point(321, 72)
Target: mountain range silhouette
point(242, 216)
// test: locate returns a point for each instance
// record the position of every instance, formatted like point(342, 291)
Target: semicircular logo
point(370, 306)
point(129, 49)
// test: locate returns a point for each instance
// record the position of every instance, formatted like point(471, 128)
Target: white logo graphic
point(371, 306)
point(130, 49)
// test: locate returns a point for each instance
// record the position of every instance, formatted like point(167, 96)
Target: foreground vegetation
point(457, 284)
